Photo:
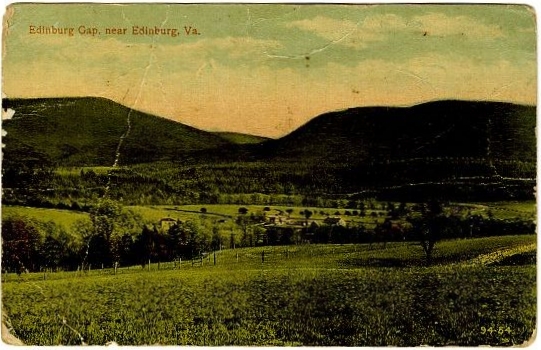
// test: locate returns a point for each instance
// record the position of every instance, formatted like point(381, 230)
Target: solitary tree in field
point(289, 211)
point(307, 215)
point(243, 210)
point(430, 227)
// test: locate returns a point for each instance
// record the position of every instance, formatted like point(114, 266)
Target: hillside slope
point(461, 149)
point(86, 131)
point(430, 130)
point(240, 138)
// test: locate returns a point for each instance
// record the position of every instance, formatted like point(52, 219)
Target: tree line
point(113, 236)
point(38, 182)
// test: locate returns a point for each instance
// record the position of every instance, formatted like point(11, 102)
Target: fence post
point(148, 264)
point(116, 263)
point(237, 257)
point(179, 263)
point(214, 258)
point(262, 256)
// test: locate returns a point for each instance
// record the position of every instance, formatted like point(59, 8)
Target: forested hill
point(442, 129)
point(240, 138)
point(86, 131)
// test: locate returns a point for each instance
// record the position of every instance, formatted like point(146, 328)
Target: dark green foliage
point(29, 245)
point(20, 245)
point(430, 131)
point(86, 131)
point(462, 150)
point(243, 210)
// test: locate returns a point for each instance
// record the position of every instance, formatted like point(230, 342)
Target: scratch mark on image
point(317, 50)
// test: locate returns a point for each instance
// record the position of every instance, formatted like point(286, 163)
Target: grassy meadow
point(65, 218)
point(154, 213)
point(296, 295)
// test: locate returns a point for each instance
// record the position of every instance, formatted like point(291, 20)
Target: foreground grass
point(307, 296)
point(279, 307)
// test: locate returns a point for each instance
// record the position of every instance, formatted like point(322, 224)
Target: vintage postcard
point(269, 174)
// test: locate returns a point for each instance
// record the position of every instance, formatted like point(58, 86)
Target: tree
point(307, 214)
point(178, 241)
point(20, 245)
point(83, 228)
point(144, 247)
point(244, 222)
point(430, 227)
point(24, 170)
point(104, 217)
point(243, 210)
point(51, 251)
point(403, 208)
point(124, 250)
point(203, 210)
point(289, 211)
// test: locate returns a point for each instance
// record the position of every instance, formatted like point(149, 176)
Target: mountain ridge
point(508, 128)
point(87, 130)
point(464, 149)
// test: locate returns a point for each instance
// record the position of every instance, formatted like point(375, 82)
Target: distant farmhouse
point(298, 230)
point(334, 221)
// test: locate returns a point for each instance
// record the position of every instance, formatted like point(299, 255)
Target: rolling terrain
point(307, 295)
point(204, 290)
point(240, 138)
point(464, 150)
point(86, 131)
point(441, 129)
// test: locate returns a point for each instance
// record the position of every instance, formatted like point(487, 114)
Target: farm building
point(334, 221)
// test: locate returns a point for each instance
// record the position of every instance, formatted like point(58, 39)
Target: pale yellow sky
point(267, 69)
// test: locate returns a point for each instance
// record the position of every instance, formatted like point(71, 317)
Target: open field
point(65, 218)
point(232, 210)
point(525, 209)
point(154, 213)
point(296, 295)
point(77, 170)
point(503, 210)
